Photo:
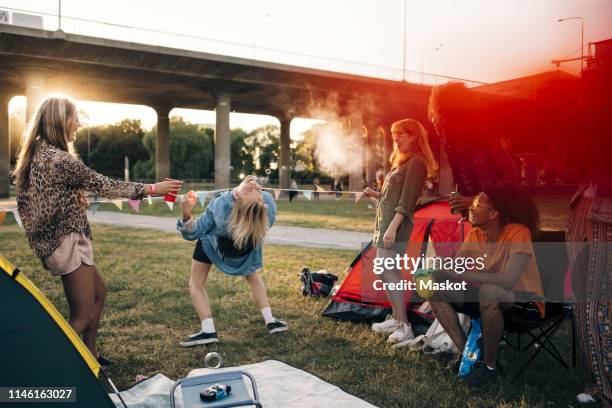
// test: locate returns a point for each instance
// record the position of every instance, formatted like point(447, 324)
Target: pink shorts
point(74, 249)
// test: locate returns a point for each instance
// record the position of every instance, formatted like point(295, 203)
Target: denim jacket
point(214, 223)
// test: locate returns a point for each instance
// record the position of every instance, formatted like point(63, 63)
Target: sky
point(482, 40)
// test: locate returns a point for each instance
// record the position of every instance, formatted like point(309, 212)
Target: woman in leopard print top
point(51, 182)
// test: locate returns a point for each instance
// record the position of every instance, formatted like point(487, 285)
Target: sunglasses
point(476, 204)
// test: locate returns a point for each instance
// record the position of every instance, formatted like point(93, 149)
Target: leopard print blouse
point(54, 205)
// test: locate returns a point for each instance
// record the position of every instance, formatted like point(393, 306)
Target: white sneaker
point(585, 398)
point(388, 326)
point(403, 333)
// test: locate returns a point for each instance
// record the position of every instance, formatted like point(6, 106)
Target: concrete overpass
point(34, 62)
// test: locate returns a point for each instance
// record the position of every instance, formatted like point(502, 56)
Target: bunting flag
point(2, 217)
point(358, 197)
point(202, 198)
point(135, 204)
point(17, 217)
point(94, 207)
point(170, 197)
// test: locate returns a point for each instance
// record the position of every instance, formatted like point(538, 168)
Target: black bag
point(317, 283)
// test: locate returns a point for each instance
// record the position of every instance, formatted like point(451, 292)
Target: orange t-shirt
point(515, 238)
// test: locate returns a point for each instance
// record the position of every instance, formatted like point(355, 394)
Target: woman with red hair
point(411, 163)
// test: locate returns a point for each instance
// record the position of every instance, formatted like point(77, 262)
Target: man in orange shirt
point(505, 221)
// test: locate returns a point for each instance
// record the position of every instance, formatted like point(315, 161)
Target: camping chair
point(238, 397)
point(552, 263)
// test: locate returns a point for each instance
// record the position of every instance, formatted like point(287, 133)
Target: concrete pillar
point(37, 83)
point(162, 143)
point(34, 96)
point(357, 134)
point(222, 139)
point(284, 165)
point(370, 154)
point(5, 155)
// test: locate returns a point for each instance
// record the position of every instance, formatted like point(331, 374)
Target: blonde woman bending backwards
point(230, 234)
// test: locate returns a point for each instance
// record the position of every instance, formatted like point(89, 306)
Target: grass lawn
point(148, 311)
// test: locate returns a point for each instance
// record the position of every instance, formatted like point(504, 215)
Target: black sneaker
point(277, 326)
point(103, 362)
point(200, 338)
point(481, 376)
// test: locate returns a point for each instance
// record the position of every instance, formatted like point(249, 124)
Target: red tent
point(355, 298)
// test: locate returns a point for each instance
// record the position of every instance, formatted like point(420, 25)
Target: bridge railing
point(140, 35)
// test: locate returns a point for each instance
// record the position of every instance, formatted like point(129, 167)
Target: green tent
point(38, 348)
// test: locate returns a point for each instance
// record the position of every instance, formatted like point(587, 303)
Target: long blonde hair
point(413, 126)
point(50, 123)
point(248, 222)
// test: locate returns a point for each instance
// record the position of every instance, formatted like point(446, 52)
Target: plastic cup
point(171, 196)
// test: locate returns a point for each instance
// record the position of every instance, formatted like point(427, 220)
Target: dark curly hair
point(457, 106)
point(515, 205)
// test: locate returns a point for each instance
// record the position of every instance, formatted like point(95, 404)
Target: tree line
point(104, 147)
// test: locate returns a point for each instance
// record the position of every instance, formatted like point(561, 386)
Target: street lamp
point(581, 37)
point(423, 56)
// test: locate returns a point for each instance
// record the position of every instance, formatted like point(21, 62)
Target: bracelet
point(153, 188)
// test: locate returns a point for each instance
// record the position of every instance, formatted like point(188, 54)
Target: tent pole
point(113, 387)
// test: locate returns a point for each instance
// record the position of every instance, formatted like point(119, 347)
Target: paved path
point(7, 203)
point(278, 235)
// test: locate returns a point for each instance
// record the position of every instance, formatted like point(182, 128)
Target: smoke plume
point(339, 140)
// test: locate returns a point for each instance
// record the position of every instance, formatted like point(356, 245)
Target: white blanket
point(279, 386)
